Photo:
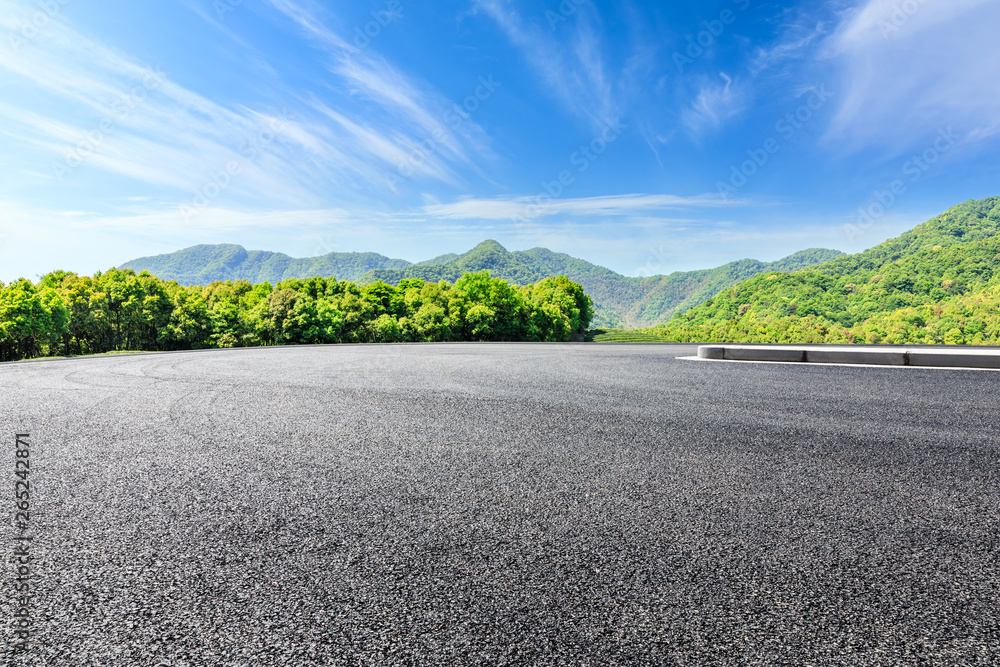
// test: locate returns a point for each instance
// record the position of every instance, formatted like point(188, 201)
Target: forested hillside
point(618, 300)
point(937, 283)
point(120, 310)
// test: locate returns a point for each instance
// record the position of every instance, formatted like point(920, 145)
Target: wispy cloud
point(575, 70)
point(506, 208)
point(403, 102)
point(132, 120)
point(797, 42)
point(910, 68)
point(714, 104)
point(104, 110)
point(311, 24)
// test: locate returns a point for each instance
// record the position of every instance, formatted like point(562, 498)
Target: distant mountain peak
point(489, 244)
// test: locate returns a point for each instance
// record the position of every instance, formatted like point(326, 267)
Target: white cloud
point(309, 22)
point(794, 45)
point(95, 108)
point(119, 116)
point(714, 104)
point(909, 68)
point(511, 208)
point(574, 72)
point(405, 103)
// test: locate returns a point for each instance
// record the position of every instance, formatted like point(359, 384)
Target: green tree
point(31, 320)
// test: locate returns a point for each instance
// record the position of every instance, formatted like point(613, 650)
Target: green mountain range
point(618, 300)
point(937, 283)
point(204, 264)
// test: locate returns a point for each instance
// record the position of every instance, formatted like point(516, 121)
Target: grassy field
point(624, 336)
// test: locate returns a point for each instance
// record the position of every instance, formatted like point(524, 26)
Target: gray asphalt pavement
point(503, 505)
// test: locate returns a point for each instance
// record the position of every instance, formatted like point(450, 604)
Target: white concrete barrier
point(880, 356)
point(737, 353)
point(955, 358)
point(712, 352)
point(847, 355)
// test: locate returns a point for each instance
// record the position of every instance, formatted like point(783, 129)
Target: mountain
point(619, 300)
point(203, 264)
point(937, 283)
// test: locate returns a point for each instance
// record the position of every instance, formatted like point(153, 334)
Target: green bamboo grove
point(68, 314)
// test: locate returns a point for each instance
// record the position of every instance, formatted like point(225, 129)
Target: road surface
point(466, 504)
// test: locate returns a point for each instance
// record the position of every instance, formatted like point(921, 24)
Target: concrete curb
point(874, 356)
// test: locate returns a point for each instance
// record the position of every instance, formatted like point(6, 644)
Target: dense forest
point(938, 283)
point(618, 300)
point(68, 314)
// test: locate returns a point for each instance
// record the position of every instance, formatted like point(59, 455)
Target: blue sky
point(647, 137)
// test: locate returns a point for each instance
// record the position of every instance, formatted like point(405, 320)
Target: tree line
point(68, 314)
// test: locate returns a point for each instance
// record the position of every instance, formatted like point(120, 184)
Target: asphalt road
point(504, 505)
